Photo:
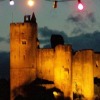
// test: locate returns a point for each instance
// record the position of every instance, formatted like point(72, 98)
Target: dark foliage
point(97, 81)
point(42, 81)
point(35, 91)
point(4, 89)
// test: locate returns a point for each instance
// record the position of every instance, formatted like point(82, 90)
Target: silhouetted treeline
point(4, 89)
point(35, 91)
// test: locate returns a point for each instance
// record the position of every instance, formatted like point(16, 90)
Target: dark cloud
point(4, 64)
point(45, 35)
point(82, 41)
point(86, 41)
point(46, 32)
point(82, 22)
point(76, 30)
point(74, 18)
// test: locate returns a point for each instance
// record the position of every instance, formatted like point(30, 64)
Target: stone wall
point(83, 79)
point(77, 73)
point(45, 64)
point(63, 70)
point(88, 79)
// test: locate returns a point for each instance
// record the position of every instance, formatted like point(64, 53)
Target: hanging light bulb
point(30, 3)
point(11, 2)
point(80, 5)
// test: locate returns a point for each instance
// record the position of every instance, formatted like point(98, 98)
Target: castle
point(71, 73)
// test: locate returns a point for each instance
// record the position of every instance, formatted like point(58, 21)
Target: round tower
point(88, 78)
point(83, 79)
point(23, 45)
point(63, 70)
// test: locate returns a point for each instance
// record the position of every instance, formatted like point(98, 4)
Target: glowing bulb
point(80, 6)
point(11, 2)
point(30, 2)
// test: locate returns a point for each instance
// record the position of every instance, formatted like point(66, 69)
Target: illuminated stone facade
point(71, 73)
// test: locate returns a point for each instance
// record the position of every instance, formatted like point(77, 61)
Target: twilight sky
point(79, 28)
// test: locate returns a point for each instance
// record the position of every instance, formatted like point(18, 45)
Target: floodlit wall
point(22, 53)
point(77, 73)
point(63, 70)
point(45, 64)
point(83, 78)
point(88, 79)
point(70, 73)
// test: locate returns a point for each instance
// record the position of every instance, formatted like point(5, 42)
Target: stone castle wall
point(77, 73)
point(88, 80)
point(83, 80)
point(63, 70)
point(45, 64)
point(70, 73)
point(55, 65)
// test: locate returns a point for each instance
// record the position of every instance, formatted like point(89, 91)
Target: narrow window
point(24, 42)
point(24, 57)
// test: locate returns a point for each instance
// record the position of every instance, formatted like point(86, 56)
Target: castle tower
point(83, 80)
point(63, 70)
point(77, 74)
point(23, 45)
point(88, 79)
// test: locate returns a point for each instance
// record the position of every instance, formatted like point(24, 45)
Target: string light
point(11, 2)
point(80, 6)
point(30, 3)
